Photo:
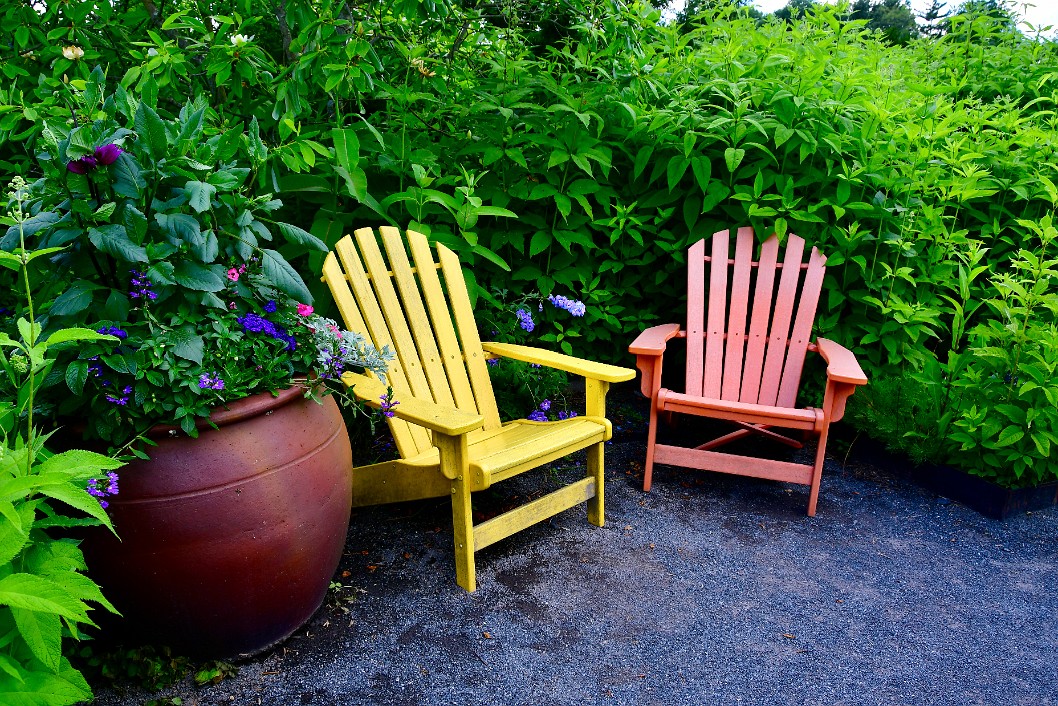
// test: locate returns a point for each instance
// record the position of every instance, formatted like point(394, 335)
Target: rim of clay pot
point(238, 410)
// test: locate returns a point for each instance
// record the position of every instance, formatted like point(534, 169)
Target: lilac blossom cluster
point(525, 320)
point(255, 323)
point(98, 492)
point(210, 381)
point(573, 306)
point(338, 351)
point(140, 286)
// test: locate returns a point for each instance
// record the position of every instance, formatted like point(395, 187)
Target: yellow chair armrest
point(560, 361)
point(424, 413)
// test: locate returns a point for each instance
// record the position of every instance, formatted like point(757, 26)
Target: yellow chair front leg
point(595, 403)
point(455, 465)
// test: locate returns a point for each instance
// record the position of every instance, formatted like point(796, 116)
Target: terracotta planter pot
point(229, 541)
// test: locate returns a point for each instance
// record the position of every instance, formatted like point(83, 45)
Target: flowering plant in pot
point(166, 246)
point(155, 237)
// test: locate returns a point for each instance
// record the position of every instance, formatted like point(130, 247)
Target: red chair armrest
point(841, 363)
point(653, 340)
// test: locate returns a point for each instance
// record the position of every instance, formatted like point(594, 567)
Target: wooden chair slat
point(338, 285)
point(467, 329)
point(415, 313)
point(695, 318)
point(410, 439)
point(761, 317)
point(441, 318)
point(736, 323)
point(779, 335)
point(716, 321)
point(801, 335)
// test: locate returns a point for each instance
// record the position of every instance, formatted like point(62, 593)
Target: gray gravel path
point(709, 589)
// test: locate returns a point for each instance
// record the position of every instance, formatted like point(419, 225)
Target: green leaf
point(495, 211)
point(540, 242)
point(151, 130)
point(702, 169)
point(75, 299)
point(733, 157)
point(301, 237)
point(76, 374)
point(35, 593)
point(113, 240)
point(227, 179)
point(192, 275)
point(78, 463)
point(200, 195)
point(128, 178)
point(14, 536)
point(284, 277)
point(42, 633)
point(37, 688)
point(77, 334)
point(1010, 435)
point(183, 227)
point(346, 148)
point(676, 169)
point(491, 257)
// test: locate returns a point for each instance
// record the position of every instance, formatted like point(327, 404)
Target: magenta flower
point(103, 156)
point(107, 154)
point(233, 275)
point(83, 165)
point(304, 310)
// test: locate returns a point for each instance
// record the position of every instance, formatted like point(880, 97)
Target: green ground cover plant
point(925, 171)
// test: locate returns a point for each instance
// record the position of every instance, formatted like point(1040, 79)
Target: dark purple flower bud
point(108, 154)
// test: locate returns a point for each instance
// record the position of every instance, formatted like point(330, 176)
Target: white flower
point(72, 53)
point(240, 39)
point(152, 52)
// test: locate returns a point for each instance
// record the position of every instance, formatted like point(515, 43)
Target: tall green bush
point(923, 171)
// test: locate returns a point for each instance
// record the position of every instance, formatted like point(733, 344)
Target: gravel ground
point(708, 589)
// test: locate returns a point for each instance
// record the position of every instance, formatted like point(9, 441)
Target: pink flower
point(304, 310)
point(231, 305)
point(233, 275)
point(334, 329)
point(242, 268)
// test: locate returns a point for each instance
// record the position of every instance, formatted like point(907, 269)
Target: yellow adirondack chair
point(748, 375)
point(446, 424)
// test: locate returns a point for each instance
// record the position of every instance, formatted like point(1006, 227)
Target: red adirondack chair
point(748, 375)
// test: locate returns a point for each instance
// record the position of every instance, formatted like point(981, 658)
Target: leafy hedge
point(926, 172)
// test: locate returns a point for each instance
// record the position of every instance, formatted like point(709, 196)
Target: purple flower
point(95, 491)
point(270, 307)
point(545, 405)
point(94, 368)
point(573, 306)
point(140, 286)
point(102, 156)
point(388, 403)
point(113, 331)
point(108, 154)
point(120, 401)
point(83, 165)
point(255, 323)
point(525, 320)
point(537, 415)
point(492, 361)
point(566, 415)
point(210, 381)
